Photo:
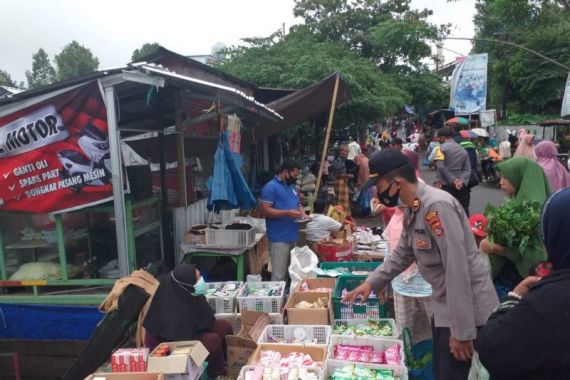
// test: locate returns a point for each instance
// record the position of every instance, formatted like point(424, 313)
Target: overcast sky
point(113, 29)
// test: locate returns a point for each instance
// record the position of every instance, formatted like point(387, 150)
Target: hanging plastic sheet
point(228, 188)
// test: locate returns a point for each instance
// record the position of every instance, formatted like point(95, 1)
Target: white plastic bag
point(304, 264)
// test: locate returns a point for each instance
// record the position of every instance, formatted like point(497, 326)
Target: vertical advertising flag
point(565, 111)
point(469, 85)
point(54, 154)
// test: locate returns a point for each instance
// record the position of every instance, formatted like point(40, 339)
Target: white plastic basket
point(241, 376)
point(267, 304)
point(230, 238)
point(379, 344)
point(332, 365)
point(356, 322)
point(235, 319)
point(221, 304)
point(296, 334)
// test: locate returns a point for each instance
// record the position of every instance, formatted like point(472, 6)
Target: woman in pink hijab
point(546, 156)
point(525, 147)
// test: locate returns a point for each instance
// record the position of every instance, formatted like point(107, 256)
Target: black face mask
point(389, 200)
point(290, 180)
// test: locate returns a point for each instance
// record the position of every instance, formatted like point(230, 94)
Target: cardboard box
point(317, 353)
point(243, 345)
point(126, 376)
point(320, 316)
point(187, 365)
point(316, 283)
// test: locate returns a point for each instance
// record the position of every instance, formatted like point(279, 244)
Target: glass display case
point(76, 248)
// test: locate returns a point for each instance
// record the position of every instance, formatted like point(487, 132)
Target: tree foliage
point(6, 79)
point(43, 73)
point(519, 80)
point(75, 60)
point(146, 49)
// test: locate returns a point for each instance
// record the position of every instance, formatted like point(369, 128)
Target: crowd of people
point(464, 273)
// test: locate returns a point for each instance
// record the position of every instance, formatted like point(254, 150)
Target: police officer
point(438, 236)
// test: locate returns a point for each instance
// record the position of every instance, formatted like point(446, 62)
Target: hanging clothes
point(234, 131)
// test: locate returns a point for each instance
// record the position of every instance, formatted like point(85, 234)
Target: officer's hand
point(461, 350)
point(458, 184)
point(363, 290)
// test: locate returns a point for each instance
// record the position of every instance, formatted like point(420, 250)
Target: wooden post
point(180, 154)
point(327, 137)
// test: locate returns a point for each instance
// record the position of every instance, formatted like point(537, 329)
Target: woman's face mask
point(200, 287)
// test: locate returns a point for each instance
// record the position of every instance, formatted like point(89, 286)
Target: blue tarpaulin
point(228, 188)
point(48, 322)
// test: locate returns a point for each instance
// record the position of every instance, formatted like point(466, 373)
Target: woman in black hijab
point(528, 336)
point(179, 311)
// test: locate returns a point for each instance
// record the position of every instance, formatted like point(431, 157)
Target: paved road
point(481, 194)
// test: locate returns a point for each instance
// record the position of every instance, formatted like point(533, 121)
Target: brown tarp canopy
point(300, 106)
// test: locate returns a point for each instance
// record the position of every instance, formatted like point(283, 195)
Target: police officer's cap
point(383, 163)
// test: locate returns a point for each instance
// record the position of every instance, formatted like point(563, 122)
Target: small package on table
point(178, 360)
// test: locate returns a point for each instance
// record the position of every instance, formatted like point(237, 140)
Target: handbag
point(418, 357)
point(473, 179)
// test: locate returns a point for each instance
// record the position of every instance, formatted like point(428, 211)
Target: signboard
point(54, 155)
point(565, 111)
point(469, 85)
point(487, 118)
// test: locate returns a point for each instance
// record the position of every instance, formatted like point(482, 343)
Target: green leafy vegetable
point(513, 223)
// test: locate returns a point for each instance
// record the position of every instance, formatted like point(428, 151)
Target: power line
point(511, 44)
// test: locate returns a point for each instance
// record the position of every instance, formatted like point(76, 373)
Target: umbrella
point(480, 132)
point(468, 134)
point(457, 121)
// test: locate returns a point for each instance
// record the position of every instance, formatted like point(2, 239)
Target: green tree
point(75, 60)
point(43, 73)
point(146, 49)
point(6, 79)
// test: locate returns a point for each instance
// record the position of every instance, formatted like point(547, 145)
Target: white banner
point(565, 111)
point(469, 85)
point(35, 130)
point(487, 118)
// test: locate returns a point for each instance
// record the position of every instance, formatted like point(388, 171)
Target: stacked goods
point(222, 295)
point(307, 182)
point(357, 372)
point(368, 328)
point(367, 350)
point(129, 360)
point(262, 296)
point(262, 373)
point(309, 308)
point(297, 334)
point(358, 269)
point(371, 308)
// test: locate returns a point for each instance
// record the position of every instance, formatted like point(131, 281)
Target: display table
point(255, 252)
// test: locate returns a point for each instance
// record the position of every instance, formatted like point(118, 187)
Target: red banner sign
point(54, 155)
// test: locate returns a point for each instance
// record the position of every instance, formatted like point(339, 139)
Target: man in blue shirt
point(281, 206)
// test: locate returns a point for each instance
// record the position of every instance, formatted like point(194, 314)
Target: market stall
point(71, 215)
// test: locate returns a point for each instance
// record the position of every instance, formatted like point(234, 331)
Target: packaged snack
point(377, 357)
point(392, 355)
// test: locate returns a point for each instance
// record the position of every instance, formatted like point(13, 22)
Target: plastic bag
point(304, 264)
point(478, 372)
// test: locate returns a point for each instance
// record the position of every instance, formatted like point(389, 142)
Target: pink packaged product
point(129, 360)
point(392, 355)
point(293, 360)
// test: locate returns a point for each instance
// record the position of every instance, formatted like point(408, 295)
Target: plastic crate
point(242, 376)
point(296, 334)
point(230, 238)
point(356, 322)
point(267, 304)
point(370, 309)
point(235, 319)
point(223, 304)
point(379, 344)
point(331, 365)
point(351, 266)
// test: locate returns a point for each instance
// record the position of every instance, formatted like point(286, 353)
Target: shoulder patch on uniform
point(434, 223)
